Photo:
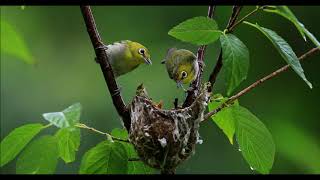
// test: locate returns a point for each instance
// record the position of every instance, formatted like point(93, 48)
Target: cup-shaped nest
point(165, 138)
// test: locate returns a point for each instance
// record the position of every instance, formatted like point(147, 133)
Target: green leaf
point(216, 101)
point(134, 167)
point(222, 118)
point(225, 121)
point(235, 56)
point(138, 167)
point(105, 158)
point(17, 139)
point(285, 12)
point(40, 157)
point(284, 49)
point(12, 43)
point(68, 143)
point(66, 118)
point(254, 139)
point(311, 36)
point(198, 31)
point(120, 133)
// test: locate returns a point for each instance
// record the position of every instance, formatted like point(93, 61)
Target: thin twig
point(194, 87)
point(217, 68)
point(105, 66)
point(48, 125)
point(83, 126)
point(255, 84)
point(245, 17)
point(235, 13)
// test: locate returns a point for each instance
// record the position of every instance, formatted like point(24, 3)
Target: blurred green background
point(66, 73)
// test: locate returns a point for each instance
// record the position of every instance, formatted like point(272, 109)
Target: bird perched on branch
point(182, 66)
point(125, 56)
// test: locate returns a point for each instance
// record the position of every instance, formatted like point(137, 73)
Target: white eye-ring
point(141, 51)
point(184, 74)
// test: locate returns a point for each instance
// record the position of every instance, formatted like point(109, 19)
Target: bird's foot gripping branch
point(165, 138)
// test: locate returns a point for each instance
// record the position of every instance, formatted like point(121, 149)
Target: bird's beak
point(179, 84)
point(147, 61)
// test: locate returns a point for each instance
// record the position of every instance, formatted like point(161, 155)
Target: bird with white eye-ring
point(182, 66)
point(125, 56)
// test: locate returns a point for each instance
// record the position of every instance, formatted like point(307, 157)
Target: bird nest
point(165, 138)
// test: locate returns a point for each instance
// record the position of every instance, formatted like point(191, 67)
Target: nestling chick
point(125, 56)
point(182, 66)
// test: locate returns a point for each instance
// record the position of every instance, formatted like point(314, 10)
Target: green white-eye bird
point(125, 56)
point(182, 66)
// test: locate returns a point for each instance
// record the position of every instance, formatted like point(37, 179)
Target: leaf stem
point(83, 126)
point(46, 126)
point(258, 82)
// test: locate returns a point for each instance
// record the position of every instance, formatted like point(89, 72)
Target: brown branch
point(255, 84)
point(194, 87)
point(235, 13)
point(105, 66)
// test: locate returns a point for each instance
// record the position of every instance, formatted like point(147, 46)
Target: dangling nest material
point(165, 138)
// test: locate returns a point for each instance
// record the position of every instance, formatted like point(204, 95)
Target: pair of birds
point(125, 56)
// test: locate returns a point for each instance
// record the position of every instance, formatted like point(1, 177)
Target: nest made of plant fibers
point(165, 138)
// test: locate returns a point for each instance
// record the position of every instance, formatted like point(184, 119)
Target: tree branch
point(105, 66)
point(192, 93)
point(255, 84)
point(235, 13)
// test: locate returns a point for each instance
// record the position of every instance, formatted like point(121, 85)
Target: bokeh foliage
point(66, 72)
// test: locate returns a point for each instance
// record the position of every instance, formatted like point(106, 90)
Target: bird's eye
point(184, 74)
point(141, 51)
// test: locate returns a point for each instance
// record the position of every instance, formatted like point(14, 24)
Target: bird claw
point(103, 47)
point(117, 91)
point(201, 64)
point(185, 90)
point(190, 89)
point(100, 47)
